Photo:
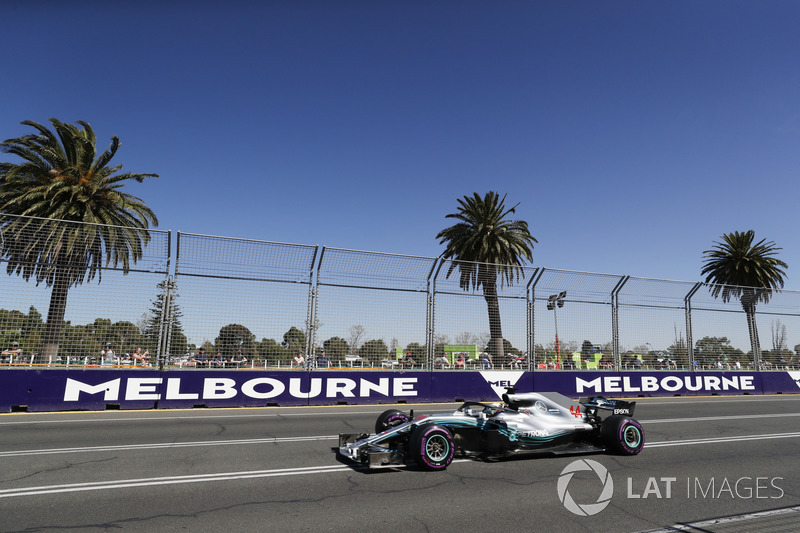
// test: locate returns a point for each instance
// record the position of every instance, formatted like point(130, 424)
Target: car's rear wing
point(619, 407)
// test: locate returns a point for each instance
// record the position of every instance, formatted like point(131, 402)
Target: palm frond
point(484, 236)
point(61, 177)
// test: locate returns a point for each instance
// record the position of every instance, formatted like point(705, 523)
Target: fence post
point(165, 328)
point(431, 318)
point(311, 313)
point(688, 309)
point(615, 319)
point(537, 275)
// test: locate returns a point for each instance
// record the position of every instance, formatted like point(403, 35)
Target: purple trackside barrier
point(99, 389)
point(781, 382)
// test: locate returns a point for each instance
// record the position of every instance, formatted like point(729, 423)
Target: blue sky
point(631, 133)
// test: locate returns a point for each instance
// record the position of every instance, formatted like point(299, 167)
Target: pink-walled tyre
point(431, 446)
point(622, 434)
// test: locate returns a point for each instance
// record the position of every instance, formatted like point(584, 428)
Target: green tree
point(418, 351)
point(587, 350)
point(235, 336)
point(335, 348)
point(124, 336)
point(508, 348)
point(78, 342)
point(31, 331)
point(178, 343)
point(62, 177)
point(294, 340)
point(11, 324)
point(374, 350)
point(269, 349)
point(710, 349)
point(485, 246)
point(737, 268)
point(100, 329)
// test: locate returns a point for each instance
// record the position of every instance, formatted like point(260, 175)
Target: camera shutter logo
point(587, 509)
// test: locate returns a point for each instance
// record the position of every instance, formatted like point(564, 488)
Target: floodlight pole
point(555, 301)
point(558, 345)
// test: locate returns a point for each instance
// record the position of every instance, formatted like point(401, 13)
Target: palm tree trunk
point(754, 341)
point(749, 306)
point(495, 328)
point(55, 314)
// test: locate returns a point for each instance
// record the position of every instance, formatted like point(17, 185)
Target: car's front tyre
point(622, 434)
point(432, 447)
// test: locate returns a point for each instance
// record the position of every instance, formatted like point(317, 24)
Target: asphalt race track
point(712, 464)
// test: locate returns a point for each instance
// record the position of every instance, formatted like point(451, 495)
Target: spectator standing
point(12, 352)
point(238, 359)
point(218, 361)
point(200, 360)
point(107, 354)
point(141, 358)
point(299, 361)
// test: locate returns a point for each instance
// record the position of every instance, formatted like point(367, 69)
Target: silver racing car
point(524, 422)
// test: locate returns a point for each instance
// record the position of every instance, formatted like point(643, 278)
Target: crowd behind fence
point(219, 302)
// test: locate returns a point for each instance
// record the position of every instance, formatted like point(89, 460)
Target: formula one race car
point(525, 422)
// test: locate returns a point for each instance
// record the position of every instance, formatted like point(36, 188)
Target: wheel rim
point(437, 448)
point(632, 436)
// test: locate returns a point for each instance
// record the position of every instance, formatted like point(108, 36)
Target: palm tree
point(62, 178)
point(737, 268)
point(485, 246)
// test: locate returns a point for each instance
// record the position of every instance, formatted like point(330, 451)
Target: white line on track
point(173, 480)
point(672, 400)
point(160, 445)
point(713, 418)
point(277, 440)
point(717, 440)
point(184, 417)
point(227, 476)
point(705, 524)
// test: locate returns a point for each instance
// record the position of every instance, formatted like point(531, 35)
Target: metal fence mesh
point(68, 288)
point(247, 296)
point(265, 302)
point(370, 304)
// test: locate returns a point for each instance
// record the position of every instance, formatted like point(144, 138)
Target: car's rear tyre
point(622, 434)
point(389, 419)
point(431, 446)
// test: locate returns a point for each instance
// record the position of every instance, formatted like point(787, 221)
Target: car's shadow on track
point(411, 466)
